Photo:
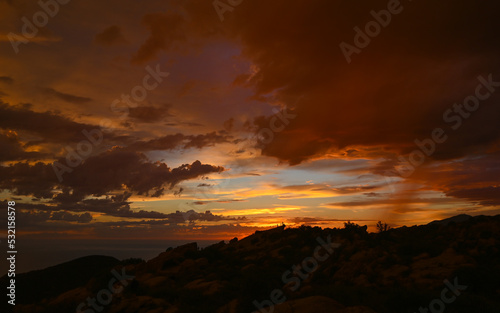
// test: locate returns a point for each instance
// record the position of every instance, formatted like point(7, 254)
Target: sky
point(208, 120)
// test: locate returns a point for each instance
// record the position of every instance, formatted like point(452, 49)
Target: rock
point(314, 304)
point(357, 309)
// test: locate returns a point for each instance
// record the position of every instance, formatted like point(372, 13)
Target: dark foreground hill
point(38, 285)
point(440, 267)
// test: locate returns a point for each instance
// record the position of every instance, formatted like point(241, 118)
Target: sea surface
point(40, 254)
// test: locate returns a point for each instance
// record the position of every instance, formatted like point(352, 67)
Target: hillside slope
point(336, 270)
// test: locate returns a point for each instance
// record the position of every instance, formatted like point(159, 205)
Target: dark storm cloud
point(14, 3)
point(149, 114)
point(485, 196)
point(165, 29)
point(178, 140)
point(191, 215)
point(218, 201)
point(111, 206)
point(393, 92)
point(116, 206)
point(37, 180)
point(167, 142)
point(36, 214)
point(209, 139)
point(388, 201)
point(55, 128)
point(475, 179)
point(49, 126)
point(11, 149)
point(345, 190)
point(110, 36)
point(114, 168)
point(66, 97)
point(174, 124)
point(68, 217)
point(98, 175)
point(396, 90)
point(6, 80)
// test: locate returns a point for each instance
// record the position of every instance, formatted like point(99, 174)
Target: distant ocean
point(38, 254)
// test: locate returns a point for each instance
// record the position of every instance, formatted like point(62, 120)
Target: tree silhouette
point(382, 227)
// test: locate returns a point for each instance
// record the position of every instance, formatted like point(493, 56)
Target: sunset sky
point(244, 116)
